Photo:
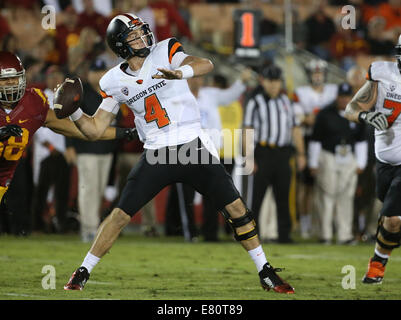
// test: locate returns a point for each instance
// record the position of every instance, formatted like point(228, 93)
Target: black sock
point(383, 261)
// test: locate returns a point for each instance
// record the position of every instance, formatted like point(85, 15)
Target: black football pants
point(273, 170)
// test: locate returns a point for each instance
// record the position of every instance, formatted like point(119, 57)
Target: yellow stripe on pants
point(3, 190)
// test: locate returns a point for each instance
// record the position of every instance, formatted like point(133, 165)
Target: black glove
point(10, 130)
point(374, 118)
point(126, 133)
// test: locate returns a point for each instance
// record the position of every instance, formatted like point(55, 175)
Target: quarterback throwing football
point(152, 82)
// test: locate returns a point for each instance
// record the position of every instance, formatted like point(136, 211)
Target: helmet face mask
point(11, 68)
point(146, 37)
point(315, 67)
point(10, 94)
point(118, 36)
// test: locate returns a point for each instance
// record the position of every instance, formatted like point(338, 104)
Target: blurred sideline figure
point(93, 158)
point(50, 167)
point(311, 99)
point(271, 114)
point(337, 155)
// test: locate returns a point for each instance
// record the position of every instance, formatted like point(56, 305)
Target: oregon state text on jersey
point(166, 112)
point(30, 114)
point(388, 102)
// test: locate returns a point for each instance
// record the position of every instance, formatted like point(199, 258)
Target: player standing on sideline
point(152, 83)
point(22, 112)
point(383, 91)
point(311, 99)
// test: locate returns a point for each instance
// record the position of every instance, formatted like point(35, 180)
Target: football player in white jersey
point(152, 82)
point(310, 99)
point(382, 92)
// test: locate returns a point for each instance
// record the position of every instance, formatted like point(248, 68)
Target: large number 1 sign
point(247, 34)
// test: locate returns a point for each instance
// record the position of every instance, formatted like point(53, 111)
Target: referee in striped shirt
point(276, 131)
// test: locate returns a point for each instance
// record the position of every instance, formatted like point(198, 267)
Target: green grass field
point(168, 269)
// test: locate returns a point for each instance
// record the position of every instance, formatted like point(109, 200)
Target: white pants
point(334, 193)
point(93, 173)
point(268, 217)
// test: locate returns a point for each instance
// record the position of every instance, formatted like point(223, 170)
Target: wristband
point(187, 71)
point(120, 133)
point(76, 115)
point(362, 116)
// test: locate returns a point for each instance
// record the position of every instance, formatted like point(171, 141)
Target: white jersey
point(312, 101)
point(209, 100)
point(307, 101)
point(166, 112)
point(388, 142)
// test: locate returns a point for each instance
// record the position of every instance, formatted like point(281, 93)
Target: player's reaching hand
point(167, 74)
point(10, 130)
point(375, 118)
point(190, 67)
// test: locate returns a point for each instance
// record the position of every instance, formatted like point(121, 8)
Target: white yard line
point(22, 295)
point(101, 283)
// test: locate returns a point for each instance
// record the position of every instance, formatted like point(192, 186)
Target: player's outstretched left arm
point(67, 128)
point(190, 67)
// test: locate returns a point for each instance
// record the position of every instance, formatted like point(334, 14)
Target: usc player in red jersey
point(22, 112)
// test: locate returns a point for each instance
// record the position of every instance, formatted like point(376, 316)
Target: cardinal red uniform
point(30, 114)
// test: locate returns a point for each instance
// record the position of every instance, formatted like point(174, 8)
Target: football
point(67, 97)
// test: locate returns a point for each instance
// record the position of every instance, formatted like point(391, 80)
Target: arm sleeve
point(370, 75)
point(178, 58)
point(110, 105)
point(176, 53)
point(231, 94)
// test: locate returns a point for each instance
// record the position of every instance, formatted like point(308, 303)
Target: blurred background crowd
point(59, 179)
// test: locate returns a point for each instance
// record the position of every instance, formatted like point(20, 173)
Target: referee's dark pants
point(273, 169)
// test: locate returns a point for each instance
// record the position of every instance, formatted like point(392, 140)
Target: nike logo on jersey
point(22, 121)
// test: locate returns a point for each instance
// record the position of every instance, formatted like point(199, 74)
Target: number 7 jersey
point(166, 112)
point(388, 142)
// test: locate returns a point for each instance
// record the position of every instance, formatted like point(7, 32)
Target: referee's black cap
point(271, 72)
point(344, 89)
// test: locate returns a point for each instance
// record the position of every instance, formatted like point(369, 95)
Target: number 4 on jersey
point(155, 112)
